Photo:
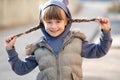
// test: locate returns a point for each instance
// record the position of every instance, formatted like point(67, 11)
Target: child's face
point(54, 27)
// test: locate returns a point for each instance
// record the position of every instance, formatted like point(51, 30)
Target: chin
point(54, 35)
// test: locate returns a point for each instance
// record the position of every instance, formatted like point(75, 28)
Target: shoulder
point(30, 48)
point(78, 34)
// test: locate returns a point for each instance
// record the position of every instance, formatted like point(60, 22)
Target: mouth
point(54, 31)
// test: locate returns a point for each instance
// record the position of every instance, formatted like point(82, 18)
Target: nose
point(54, 26)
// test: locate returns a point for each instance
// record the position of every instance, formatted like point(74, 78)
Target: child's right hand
point(10, 42)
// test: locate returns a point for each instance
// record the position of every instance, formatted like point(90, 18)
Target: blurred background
point(16, 16)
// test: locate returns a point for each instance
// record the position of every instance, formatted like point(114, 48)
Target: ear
point(66, 2)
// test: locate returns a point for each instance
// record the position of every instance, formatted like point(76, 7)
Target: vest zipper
point(58, 67)
point(57, 60)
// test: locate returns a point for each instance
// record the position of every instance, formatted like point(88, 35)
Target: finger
point(9, 38)
point(102, 20)
point(106, 20)
point(13, 40)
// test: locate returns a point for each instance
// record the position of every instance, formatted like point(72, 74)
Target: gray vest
point(64, 66)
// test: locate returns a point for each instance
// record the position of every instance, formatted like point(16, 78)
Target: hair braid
point(41, 25)
point(30, 30)
point(80, 20)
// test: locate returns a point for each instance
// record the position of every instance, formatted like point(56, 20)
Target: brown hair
point(53, 12)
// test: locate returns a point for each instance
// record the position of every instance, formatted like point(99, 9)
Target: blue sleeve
point(92, 50)
point(21, 67)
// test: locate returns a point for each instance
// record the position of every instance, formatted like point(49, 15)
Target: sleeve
point(92, 50)
point(18, 66)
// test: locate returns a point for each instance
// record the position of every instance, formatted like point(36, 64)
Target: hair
point(53, 12)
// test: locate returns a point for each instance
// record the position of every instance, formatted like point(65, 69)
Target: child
point(58, 54)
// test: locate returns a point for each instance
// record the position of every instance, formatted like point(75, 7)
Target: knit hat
point(56, 42)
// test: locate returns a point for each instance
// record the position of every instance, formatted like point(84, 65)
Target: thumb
point(13, 40)
point(10, 43)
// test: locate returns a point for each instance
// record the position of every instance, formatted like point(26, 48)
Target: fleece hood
point(56, 42)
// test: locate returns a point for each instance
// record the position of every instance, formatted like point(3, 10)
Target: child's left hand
point(104, 23)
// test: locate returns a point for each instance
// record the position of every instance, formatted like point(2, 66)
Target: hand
point(10, 42)
point(104, 23)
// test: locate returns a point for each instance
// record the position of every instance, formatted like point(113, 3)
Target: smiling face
point(54, 20)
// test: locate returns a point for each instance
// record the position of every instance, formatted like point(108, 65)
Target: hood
point(56, 40)
point(61, 3)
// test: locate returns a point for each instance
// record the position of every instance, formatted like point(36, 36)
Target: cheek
point(62, 28)
point(46, 26)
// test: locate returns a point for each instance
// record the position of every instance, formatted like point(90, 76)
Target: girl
point(58, 54)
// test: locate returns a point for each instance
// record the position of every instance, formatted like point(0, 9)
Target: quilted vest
point(64, 66)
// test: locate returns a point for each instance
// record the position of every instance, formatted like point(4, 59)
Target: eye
point(58, 21)
point(49, 22)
